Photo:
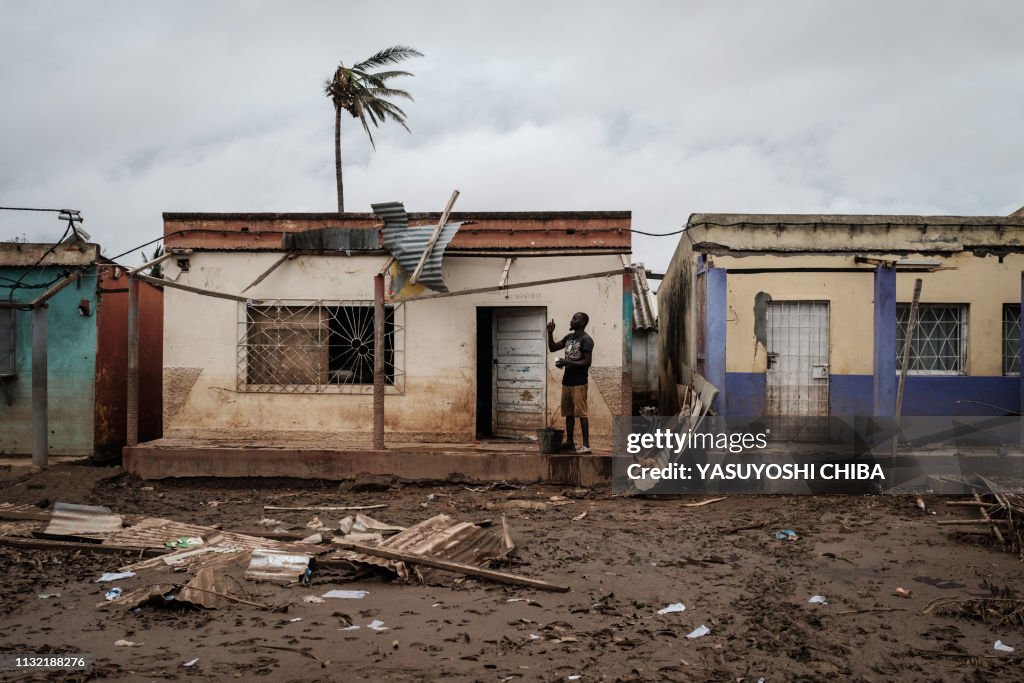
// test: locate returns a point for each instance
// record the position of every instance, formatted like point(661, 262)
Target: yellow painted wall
point(982, 283)
point(439, 401)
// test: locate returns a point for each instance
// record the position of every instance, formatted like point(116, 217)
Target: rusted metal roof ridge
point(407, 244)
point(644, 317)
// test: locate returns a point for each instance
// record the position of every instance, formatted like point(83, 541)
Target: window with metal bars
point(1011, 339)
point(939, 344)
point(314, 347)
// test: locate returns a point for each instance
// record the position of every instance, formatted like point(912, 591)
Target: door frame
point(494, 314)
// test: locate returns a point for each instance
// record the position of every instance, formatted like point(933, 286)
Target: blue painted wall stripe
point(924, 395)
point(714, 347)
point(884, 393)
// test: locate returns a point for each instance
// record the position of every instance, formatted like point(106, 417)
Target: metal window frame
point(397, 387)
point(965, 311)
point(1011, 319)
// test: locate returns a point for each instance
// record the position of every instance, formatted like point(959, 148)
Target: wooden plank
point(25, 515)
point(284, 257)
point(40, 544)
point(517, 285)
point(433, 239)
point(195, 290)
point(457, 567)
point(324, 508)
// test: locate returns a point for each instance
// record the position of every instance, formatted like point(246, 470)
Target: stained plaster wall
point(982, 283)
point(71, 368)
point(439, 399)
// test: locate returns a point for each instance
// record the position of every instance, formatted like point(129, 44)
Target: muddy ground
point(624, 560)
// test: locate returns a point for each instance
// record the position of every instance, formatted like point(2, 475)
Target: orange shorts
point(574, 401)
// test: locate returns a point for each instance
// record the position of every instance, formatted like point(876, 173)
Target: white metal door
point(520, 371)
point(797, 377)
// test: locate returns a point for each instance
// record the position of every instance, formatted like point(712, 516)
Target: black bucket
point(550, 440)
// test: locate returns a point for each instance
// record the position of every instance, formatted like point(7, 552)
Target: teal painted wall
point(71, 373)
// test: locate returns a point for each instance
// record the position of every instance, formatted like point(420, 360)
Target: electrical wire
point(659, 234)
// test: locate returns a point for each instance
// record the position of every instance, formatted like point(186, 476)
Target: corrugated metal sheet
point(332, 239)
point(69, 519)
point(407, 244)
point(440, 537)
point(645, 316)
point(276, 566)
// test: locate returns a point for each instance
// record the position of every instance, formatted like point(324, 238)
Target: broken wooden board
point(457, 567)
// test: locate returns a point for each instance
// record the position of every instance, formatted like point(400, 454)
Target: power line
point(659, 234)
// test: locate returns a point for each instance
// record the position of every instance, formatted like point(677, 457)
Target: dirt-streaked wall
point(201, 337)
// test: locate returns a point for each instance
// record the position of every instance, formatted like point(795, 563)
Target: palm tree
point(363, 94)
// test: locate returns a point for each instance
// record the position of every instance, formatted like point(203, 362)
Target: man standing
point(579, 349)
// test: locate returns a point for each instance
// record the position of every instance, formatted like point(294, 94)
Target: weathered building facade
point(83, 328)
point(801, 315)
point(293, 361)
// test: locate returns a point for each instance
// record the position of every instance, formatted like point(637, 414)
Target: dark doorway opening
point(484, 368)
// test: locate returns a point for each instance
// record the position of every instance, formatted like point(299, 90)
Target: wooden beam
point(518, 285)
point(42, 298)
point(195, 290)
point(149, 264)
point(504, 273)
point(911, 324)
point(40, 544)
point(457, 567)
point(329, 508)
point(268, 271)
point(433, 239)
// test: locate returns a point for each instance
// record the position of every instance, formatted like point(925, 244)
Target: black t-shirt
point(575, 347)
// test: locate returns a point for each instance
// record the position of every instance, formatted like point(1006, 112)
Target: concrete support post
point(40, 425)
point(716, 313)
point(884, 394)
point(627, 344)
point(378, 361)
point(132, 435)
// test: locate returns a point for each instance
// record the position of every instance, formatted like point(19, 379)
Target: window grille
point(939, 346)
point(7, 346)
point(1011, 339)
point(316, 347)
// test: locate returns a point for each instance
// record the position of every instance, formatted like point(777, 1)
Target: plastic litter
point(1002, 647)
point(113, 594)
point(347, 595)
point(267, 521)
point(920, 504)
point(786, 535)
point(184, 542)
point(115, 576)
point(575, 677)
point(698, 632)
point(377, 625)
point(818, 600)
point(904, 593)
point(47, 596)
point(125, 643)
point(674, 607)
point(353, 627)
point(191, 662)
point(292, 621)
point(313, 599)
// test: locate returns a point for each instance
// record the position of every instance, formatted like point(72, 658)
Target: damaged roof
point(645, 315)
point(407, 244)
point(506, 231)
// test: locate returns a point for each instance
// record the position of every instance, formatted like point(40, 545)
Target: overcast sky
point(126, 109)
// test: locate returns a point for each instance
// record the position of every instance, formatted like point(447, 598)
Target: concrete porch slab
point(484, 461)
